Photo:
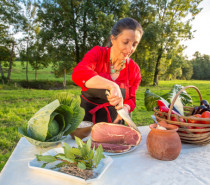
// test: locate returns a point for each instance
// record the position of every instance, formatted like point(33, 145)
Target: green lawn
point(18, 105)
point(19, 73)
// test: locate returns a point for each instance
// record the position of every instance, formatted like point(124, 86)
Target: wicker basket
point(188, 132)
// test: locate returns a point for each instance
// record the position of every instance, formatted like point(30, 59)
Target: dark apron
point(97, 107)
point(95, 103)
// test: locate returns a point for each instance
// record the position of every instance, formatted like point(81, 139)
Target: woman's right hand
point(115, 98)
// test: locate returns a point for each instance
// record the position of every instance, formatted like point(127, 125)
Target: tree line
point(60, 32)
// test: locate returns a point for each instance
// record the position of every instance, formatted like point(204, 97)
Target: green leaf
point(90, 155)
point(150, 100)
point(75, 151)
point(60, 165)
point(46, 158)
point(89, 143)
point(81, 165)
point(84, 151)
point(68, 113)
point(59, 118)
point(38, 124)
point(79, 142)
point(181, 100)
point(67, 151)
point(184, 96)
point(98, 155)
point(78, 115)
point(43, 165)
point(65, 158)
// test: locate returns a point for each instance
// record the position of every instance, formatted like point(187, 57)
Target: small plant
point(82, 157)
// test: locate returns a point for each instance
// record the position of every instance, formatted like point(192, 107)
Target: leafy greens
point(83, 156)
point(150, 99)
point(53, 121)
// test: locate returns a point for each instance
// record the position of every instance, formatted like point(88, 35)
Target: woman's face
point(125, 43)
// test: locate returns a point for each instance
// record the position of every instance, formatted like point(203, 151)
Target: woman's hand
point(115, 97)
point(126, 108)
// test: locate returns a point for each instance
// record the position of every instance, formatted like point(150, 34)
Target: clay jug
point(164, 144)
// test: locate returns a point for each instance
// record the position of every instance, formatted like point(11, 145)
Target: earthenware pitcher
point(164, 144)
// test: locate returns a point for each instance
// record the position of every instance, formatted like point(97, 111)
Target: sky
point(201, 40)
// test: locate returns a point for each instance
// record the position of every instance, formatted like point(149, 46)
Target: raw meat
point(115, 134)
point(112, 148)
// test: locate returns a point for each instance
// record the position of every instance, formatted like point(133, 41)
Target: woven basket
point(188, 132)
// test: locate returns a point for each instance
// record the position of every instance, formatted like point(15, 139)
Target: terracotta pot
point(82, 132)
point(164, 144)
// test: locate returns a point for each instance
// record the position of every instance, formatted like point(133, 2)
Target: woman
point(110, 68)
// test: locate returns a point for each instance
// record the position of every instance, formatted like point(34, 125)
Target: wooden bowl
point(83, 130)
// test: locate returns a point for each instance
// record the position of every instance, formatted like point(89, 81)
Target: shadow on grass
point(40, 84)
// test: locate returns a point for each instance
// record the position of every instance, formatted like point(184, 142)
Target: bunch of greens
point(150, 99)
point(82, 157)
point(52, 122)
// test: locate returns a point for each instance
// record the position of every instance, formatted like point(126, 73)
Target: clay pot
point(164, 144)
point(82, 132)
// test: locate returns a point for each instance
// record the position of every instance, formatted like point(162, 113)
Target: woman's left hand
point(127, 109)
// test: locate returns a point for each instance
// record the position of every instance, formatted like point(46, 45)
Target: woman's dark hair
point(125, 24)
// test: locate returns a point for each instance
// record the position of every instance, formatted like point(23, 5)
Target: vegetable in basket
point(204, 106)
point(52, 122)
point(150, 99)
point(206, 114)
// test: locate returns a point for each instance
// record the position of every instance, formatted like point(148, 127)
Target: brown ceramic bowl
point(83, 130)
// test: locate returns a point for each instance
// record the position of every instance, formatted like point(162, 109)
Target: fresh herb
point(82, 157)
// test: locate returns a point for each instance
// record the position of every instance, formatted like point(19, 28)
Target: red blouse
point(96, 61)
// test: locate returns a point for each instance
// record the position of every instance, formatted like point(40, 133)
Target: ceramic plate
point(111, 154)
point(98, 172)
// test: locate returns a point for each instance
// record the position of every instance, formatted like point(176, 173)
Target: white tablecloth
point(137, 167)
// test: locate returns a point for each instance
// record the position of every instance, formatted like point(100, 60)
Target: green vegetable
point(150, 99)
point(83, 156)
point(53, 128)
point(53, 121)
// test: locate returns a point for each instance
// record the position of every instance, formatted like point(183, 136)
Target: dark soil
point(73, 170)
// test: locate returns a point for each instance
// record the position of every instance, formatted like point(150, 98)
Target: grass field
point(19, 73)
point(18, 105)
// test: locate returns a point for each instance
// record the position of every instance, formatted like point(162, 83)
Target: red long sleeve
point(86, 68)
point(134, 81)
point(96, 62)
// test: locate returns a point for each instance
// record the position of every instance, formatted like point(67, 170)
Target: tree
point(37, 57)
point(5, 56)
point(70, 28)
point(30, 30)
point(11, 22)
point(165, 22)
point(201, 66)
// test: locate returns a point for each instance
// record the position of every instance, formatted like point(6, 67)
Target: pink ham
point(112, 148)
point(115, 134)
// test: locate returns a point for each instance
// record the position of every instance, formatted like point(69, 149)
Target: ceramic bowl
point(83, 130)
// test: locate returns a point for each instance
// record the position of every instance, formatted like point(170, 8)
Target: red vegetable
point(194, 121)
point(180, 119)
point(166, 109)
point(160, 103)
point(200, 132)
point(206, 114)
